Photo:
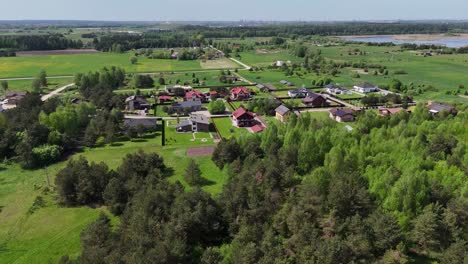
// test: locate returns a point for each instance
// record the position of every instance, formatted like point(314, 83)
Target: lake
point(451, 42)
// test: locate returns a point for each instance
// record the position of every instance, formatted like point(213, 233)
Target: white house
point(366, 87)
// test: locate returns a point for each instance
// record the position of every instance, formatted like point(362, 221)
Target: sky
point(233, 10)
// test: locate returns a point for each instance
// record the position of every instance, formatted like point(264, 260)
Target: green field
point(255, 58)
point(53, 231)
point(226, 129)
point(25, 85)
point(58, 65)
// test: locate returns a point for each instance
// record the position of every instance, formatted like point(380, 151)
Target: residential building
point(366, 87)
point(436, 108)
point(314, 100)
point(336, 90)
point(390, 111)
point(342, 114)
point(195, 96)
point(298, 93)
point(137, 102)
point(240, 94)
point(178, 89)
point(12, 98)
point(164, 98)
point(244, 118)
point(282, 113)
point(150, 123)
point(191, 105)
point(196, 123)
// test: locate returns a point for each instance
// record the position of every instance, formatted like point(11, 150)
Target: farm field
point(263, 59)
point(58, 65)
point(52, 231)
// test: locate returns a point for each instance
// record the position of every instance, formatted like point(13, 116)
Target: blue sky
point(233, 10)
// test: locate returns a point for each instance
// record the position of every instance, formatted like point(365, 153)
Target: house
point(342, 114)
point(244, 118)
point(366, 87)
point(298, 93)
point(282, 113)
point(436, 108)
point(279, 63)
point(175, 55)
point(191, 105)
point(164, 98)
point(314, 100)
point(12, 98)
point(178, 89)
point(240, 93)
point(336, 90)
point(266, 87)
point(195, 96)
point(137, 102)
point(390, 111)
point(150, 123)
point(230, 78)
point(284, 82)
point(196, 123)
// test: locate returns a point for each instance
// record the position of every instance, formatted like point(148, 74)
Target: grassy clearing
point(25, 85)
point(53, 231)
point(219, 64)
point(226, 129)
point(253, 58)
point(70, 64)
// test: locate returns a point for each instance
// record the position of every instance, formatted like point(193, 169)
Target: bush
point(217, 107)
point(46, 155)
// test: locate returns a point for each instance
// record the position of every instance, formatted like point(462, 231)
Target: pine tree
point(193, 174)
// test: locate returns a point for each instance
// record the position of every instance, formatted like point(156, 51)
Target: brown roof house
point(315, 100)
point(282, 113)
point(342, 114)
point(244, 118)
point(196, 123)
point(390, 111)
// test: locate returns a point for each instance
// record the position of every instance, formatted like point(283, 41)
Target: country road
point(55, 92)
point(246, 67)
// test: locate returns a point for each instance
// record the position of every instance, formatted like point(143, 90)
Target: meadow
point(48, 232)
point(66, 65)
point(26, 85)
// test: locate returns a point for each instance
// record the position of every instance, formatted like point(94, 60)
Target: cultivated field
point(58, 65)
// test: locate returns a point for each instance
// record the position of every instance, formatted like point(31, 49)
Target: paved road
point(55, 92)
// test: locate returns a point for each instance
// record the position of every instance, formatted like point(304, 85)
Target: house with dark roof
point(12, 98)
point(149, 123)
point(342, 114)
point(282, 113)
point(436, 108)
point(137, 102)
point(240, 93)
point(298, 93)
point(314, 100)
point(366, 87)
point(284, 82)
point(244, 118)
point(196, 123)
point(191, 105)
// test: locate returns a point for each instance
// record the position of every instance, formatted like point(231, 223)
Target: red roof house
point(240, 93)
point(194, 96)
point(243, 118)
point(257, 128)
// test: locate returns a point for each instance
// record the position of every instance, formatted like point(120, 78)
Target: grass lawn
point(25, 85)
point(70, 64)
point(52, 231)
point(226, 129)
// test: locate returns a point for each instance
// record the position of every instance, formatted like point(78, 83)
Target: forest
point(392, 190)
point(38, 42)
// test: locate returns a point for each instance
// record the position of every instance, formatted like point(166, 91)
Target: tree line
point(38, 42)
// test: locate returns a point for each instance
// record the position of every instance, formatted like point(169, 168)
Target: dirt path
point(55, 92)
